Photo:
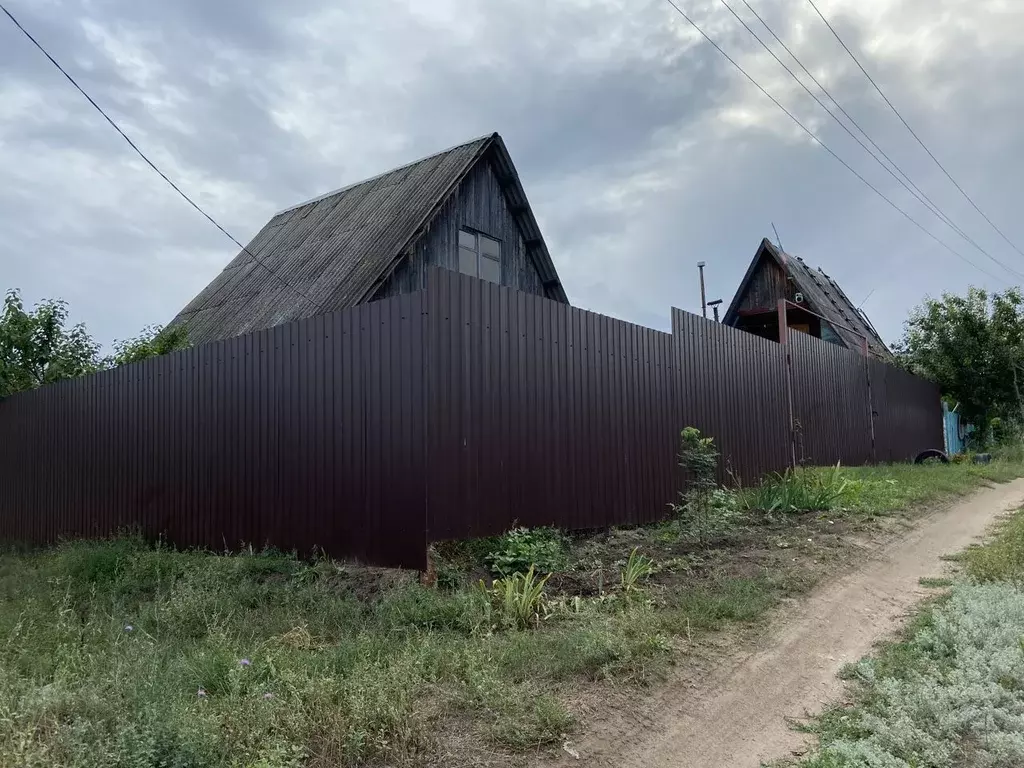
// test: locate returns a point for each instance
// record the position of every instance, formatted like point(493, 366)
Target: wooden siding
point(767, 285)
point(479, 204)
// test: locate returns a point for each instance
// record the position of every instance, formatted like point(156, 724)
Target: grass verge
point(865, 492)
point(121, 654)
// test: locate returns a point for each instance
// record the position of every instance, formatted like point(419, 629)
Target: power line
point(912, 132)
point(921, 198)
point(853, 121)
point(148, 162)
point(822, 144)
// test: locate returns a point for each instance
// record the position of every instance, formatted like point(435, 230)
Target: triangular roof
point(822, 294)
point(334, 251)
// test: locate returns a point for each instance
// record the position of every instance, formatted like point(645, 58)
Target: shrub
point(518, 599)
point(1011, 450)
point(705, 511)
point(949, 696)
point(523, 549)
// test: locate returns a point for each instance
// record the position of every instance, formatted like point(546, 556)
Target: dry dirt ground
point(736, 713)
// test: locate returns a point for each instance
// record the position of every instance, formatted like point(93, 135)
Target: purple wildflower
point(268, 695)
point(244, 663)
point(128, 628)
point(201, 693)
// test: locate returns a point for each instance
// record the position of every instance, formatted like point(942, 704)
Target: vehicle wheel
point(931, 455)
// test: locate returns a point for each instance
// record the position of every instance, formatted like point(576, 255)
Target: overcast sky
point(641, 149)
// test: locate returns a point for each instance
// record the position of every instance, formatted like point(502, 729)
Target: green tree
point(705, 512)
point(152, 342)
point(37, 347)
point(973, 347)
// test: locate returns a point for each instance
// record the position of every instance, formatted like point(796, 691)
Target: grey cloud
point(622, 125)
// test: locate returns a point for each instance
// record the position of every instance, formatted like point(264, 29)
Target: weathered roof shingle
point(331, 252)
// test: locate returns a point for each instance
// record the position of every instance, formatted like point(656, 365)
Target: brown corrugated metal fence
point(732, 385)
point(455, 412)
point(305, 436)
point(902, 403)
point(542, 413)
point(831, 403)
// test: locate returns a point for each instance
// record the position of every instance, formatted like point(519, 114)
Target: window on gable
point(479, 256)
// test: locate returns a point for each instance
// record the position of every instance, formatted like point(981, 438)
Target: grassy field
point(950, 692)
point(121, 654)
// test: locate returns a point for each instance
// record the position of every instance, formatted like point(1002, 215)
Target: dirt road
point(737, 717)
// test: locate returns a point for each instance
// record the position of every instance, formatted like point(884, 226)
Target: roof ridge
point(402, 167)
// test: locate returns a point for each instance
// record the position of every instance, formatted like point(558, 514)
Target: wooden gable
point(767, 284)
point(815, 303)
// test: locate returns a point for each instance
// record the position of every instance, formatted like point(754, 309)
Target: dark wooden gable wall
point(768, 284)
point(478, 204)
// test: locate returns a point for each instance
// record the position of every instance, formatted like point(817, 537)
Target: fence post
point(871, 408)
point(784, 341)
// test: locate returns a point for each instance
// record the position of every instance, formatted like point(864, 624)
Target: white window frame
point(477, 253)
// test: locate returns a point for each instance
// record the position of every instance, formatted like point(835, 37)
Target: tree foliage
point(972, 346)
point(152, 342)
point(37, 346)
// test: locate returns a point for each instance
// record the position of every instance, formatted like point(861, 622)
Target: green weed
point(865, 492)
point(888, 488)
point(801, 490)
point(638, 569)
point(118, 653)
point(521, 549)
point(414, 608)
point(714, 605)
point(519, 599)
point(1003, 558)
point(543, 720)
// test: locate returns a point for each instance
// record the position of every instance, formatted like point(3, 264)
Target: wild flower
point(244, 663)
point(128, 628)
point(201, 693)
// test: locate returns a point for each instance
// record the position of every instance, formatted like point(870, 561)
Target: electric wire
point(146, 159)
point(822, 144)
point(915, 191)
point(912, 131)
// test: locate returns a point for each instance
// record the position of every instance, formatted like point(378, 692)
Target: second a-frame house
point(464, 209)
point(815, 304)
